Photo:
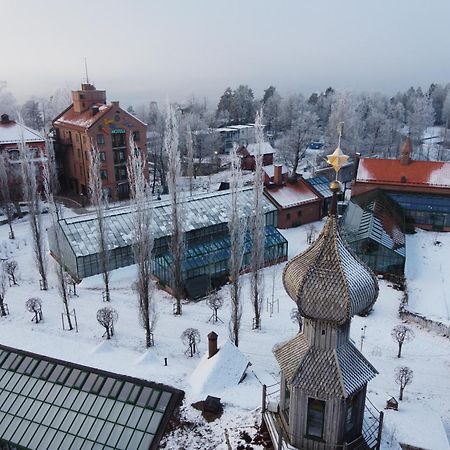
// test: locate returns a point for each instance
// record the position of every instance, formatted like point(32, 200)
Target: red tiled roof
point(391, 171)
point(82, 120)
point(292, 194)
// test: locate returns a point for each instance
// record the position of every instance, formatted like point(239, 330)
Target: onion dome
point(328, 281)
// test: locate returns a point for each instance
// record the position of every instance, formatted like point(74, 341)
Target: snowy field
point(422, 416)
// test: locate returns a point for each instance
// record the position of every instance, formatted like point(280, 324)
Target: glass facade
point(50, 404)
point(206, 263)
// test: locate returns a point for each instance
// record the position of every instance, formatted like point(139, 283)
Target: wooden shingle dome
point(328, 281)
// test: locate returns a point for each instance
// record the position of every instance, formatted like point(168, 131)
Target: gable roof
point(291, 194)
point(12, 133)
point(392, 171)
point(83, 120)
point(49, 403)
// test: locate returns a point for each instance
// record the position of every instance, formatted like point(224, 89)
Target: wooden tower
point(323, 375)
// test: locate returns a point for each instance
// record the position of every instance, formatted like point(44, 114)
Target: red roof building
point(296, 201)
point(11, 134)
point(90, 120)
point(403, 174)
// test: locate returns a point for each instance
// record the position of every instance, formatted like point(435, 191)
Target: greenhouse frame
point(206, 236)
point(373, 226)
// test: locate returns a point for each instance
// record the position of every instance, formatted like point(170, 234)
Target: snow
point(12, 132)
point(291, 195)
point(266, 148)
point(427, 273)
point(222, 371)
point(423, 414)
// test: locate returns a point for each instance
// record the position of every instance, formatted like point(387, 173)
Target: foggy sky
point(146, 49)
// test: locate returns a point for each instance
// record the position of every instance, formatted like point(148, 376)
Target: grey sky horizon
point(150, 50)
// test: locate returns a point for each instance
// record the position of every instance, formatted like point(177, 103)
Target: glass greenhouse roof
point(425, 203)
point(200, 211)
point(321, 184)
point(51, 404)
point(202, 255)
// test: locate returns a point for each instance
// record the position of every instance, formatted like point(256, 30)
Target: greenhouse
point(373, 226)
point(205, 223)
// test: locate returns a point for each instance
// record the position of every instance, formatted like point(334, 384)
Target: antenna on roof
point(86, 69)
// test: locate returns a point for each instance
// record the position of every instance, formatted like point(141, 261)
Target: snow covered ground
point(422, 415)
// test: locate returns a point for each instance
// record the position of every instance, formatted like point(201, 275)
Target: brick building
point(421, 188)
point(11, 134)
point(247, 155)
point(90, 120)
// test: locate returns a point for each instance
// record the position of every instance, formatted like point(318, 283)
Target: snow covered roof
point(392, 171)
point(82, 406)
point(12, 132)
point(291, 194)
point(84, 119)
point(223, 370)
point(327, 281)
point(266, 148)
point(202, 211)
point(270, 170)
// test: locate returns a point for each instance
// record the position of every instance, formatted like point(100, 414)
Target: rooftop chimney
point(405, 152)
point(115, 104)
point(278, 175)
point(212, 344)
point(94, 109)
point(5, 118)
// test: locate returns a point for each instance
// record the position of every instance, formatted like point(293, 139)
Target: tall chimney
point(212, 344)
point(277, 174)
point(5, 118)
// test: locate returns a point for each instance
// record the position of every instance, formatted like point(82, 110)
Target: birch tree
point(175, 193)
point(237, 230)
point(257, 228)
point(3, 288)
point(100, 202)
point(141, 203)
point(63, 288)
point(190, 156)
point(5, 194)
point(32, 196)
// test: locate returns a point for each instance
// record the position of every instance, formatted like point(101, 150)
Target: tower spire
point(86, 70)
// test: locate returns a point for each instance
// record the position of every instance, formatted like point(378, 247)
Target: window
point(104, 174)
point(118, 139)
point(102, 156)
point(136, 136)
point(100, 138)
point(14, 155)
point(120, 173)
point(350, 414)
point(315, 418)
point(288, 216)
point(119, 156)
point(299, 213)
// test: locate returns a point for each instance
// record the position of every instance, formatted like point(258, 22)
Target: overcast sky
point(146, 49)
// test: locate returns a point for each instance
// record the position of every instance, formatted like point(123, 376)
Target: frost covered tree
point(107, 317)
point(257, 227)
point(48, 173)
point(5, 195)
point(10, 268)
point(237, 229)
point(419, 118)
point(34, 305)
point(175, 192)
point(190, 156)
point(3, 288)
point(141, 204)
point(99, 201)
point(403, 377)
point(8, 104)
point(191, 338)
point(401, 334)
point(30, 168)
point(32, 115)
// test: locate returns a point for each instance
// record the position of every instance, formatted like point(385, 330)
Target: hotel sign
point(118, 131)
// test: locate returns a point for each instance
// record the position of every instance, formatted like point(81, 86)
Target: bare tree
point(296, 317)
point(401, 334)
point(5, 194)
point(237, 228)
point(32, 196)
point(48, 174)
point(34, 305)
point(403, 377)
point(215, 302)
point(3, 288)
point(257, 228)
point(106, 317)
point(190, 156)
point(191, 337)
point(10, 268)
point(141, 202)
point(99, 199)
point(174, 184)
